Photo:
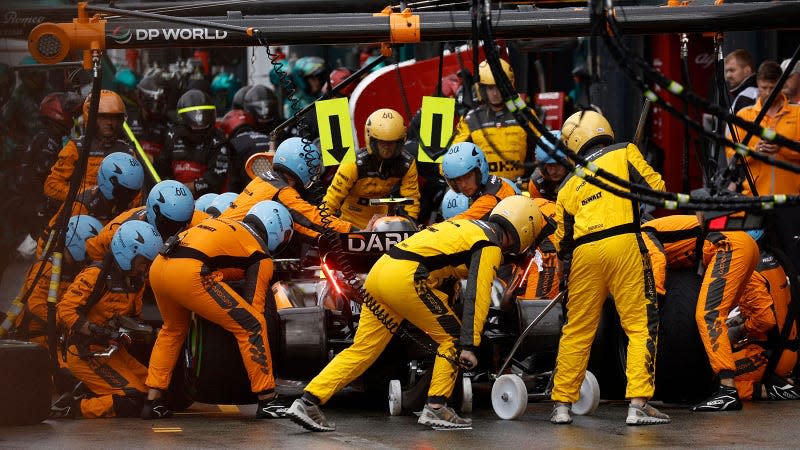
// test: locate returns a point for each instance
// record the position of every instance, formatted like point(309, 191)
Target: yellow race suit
point(503, 141)
point(370, 177)
point(598, 239)
point(407, 284)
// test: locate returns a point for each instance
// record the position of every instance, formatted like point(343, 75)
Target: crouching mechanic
point(405, 285)
point(169, 208)
point(191, 275)
point(598, 236)
point(381, 168)
point(465, 168)
point(101, 292)
point(32, 323)
point(729, 260)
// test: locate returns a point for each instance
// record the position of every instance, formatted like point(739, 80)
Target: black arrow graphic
point(338, 149)
point(435, 150)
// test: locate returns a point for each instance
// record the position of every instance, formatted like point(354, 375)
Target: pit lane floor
point(363, 423)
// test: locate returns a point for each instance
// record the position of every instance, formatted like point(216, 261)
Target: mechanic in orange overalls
point(32, 323)
point(110, 116)
point(549, 174)
point(466, 171)
point(545, 269)
point(191, 275)
point(170, 208)
point(729, 259)
point(294, 171)
point(119, 181)
point(101, 292)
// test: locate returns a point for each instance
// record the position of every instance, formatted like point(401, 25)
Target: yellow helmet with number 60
point(520, 217)
point(586, 129)
point(485, 72)
point(385, 133)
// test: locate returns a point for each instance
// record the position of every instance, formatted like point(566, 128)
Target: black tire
point(178, 394)
point(221, 378)
point(683, 374)
point(24, 383)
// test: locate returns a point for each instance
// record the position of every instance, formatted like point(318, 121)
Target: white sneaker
point(561, 414)
point(645, 415)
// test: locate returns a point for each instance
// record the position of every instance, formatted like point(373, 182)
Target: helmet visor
point(261, 110)
point(386, 149)
point(198, 118)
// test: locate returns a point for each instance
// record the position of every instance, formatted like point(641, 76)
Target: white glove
point(27, 249)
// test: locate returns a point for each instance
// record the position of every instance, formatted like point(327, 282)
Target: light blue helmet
point(119, 171)
point(293, 157)
point(274, 220)
point(454, 204)
point(513, 185)
point(462, 159)
point(79, 229)
point(170, 206)
point(202, 203)
point(134, 238)
point(221, 203)
point(542, 157)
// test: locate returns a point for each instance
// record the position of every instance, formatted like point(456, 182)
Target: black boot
point(725, 399)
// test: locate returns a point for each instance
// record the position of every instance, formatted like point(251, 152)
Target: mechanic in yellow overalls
point(493, 128)
point(598, 240)
point(405, 285)
point(380, 168)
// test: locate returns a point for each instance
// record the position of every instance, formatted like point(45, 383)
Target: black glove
point(99, 335)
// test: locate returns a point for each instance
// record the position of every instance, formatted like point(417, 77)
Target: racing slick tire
point(683, 374)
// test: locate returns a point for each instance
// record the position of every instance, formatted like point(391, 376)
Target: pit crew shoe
point(784, 392)
point(645, 415)
point(309, 416)
point(725, 399)
point(443, 417)
point(561, 414)
point(274, 408)
point(155, 409)
point(65, 407)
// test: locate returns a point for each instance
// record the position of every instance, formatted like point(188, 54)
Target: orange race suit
point(268, 185)
point(192, 276)
point(505, 143)
point(486, 199)
point(544, 270)
point(117, 381)
point(598, 240)
point(370, 177)
point(92, 202)
point(729, 259)
point(56, 186)
point(97, 246)
point(409, 284)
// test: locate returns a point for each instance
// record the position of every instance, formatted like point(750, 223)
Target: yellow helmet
point(521, 218)
point(385, 125)
point(586, 129)
point(485, 72)
point(110, 103)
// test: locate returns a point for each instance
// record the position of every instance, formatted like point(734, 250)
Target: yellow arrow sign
point(335, 132)
point(436, 128)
